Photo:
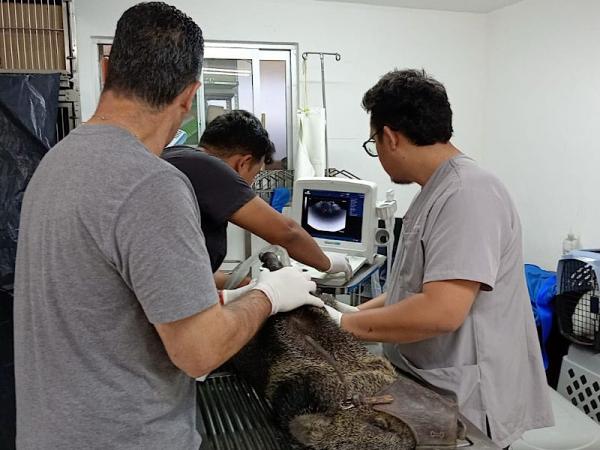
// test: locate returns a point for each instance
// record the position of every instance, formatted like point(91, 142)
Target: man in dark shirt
point(220, 192)
point(233, 149)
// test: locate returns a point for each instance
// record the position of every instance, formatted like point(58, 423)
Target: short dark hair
point(412, 103)
point(156, 53)
point(237, 132)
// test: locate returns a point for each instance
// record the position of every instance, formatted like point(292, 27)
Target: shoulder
point(473, 183)
point(162, 183)
point(466, 171)
point(471, 192)
point(189, 158)
point(205, 172)
point(163, 193)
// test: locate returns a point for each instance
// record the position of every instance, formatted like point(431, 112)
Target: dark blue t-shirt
point(220, 192)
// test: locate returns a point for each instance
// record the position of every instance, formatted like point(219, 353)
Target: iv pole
point(322, 55)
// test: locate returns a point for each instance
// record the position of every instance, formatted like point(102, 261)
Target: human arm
point(441, 308)
point(160, 254)
point(460, 253)
point(200, 343)
point(376, 302)
point(223, 195)
point(262, 220)
point(222, 277)
point(203, 342)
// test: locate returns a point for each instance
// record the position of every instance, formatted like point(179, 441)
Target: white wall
point(372, 41)
point(543, 119)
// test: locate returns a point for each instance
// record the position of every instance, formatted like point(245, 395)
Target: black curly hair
point(237, 132)
point(412, 103)
point(156, 53)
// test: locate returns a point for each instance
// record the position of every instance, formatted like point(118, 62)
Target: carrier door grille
point(578, 303)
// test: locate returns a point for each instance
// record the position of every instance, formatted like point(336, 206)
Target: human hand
point(335, 315)
point(287, 289)
point(339, 263)
point(340, 309)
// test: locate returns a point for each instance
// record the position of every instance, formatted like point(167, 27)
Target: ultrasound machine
point(340, 214)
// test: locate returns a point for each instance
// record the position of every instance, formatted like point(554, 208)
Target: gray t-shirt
point(110, 244)
point(463, 225)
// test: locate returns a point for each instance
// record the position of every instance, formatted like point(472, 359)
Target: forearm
point(303, 248)
point(407, 321)
point(242, 319)
point(205, 341)
point(376, 302)
point(262, 220)
point(220, 279)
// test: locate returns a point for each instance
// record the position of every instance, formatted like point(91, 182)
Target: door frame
point(254, 51)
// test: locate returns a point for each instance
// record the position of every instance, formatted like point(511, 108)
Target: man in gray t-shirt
point(457, 311)
point(115, 307)
point(93, 274)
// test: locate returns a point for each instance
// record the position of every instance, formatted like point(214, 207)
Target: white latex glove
point(339, 263)
point(339, 310)
point(345, 308)
point(335, 315)
point(229, 295)
point(287, 289)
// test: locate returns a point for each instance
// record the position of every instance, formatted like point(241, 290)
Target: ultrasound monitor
point(338, 213)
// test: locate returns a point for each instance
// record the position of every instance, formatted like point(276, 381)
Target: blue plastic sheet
point(28, 113)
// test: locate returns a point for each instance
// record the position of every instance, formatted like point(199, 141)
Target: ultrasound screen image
point(328, 215)
point(333, 215)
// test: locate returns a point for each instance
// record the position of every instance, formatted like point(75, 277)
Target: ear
point(389, 137)
point(246, 161)
point(187, 96)
point(236, 162)
point(104, 67)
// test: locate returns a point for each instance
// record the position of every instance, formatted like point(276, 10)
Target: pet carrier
point(578, 299)
point(578, 308)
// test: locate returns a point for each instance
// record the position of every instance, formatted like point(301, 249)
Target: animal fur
point(305, 391)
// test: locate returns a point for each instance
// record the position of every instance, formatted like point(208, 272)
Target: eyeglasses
point(370, 146)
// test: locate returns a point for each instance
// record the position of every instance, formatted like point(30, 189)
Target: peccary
point(290, 363)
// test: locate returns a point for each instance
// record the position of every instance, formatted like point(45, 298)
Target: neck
point(152, 128)
point(429, 158)
point(231, 160)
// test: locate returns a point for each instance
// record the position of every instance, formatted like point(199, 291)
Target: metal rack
point(343, 173)
point(232, 416)
point(38, 36)
point(269, 180)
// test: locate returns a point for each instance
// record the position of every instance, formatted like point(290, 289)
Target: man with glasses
point(457, 312)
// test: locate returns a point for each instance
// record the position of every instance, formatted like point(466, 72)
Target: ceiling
point(476, 6)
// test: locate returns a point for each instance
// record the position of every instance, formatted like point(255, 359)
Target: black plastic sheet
point(7, 373)
point(28, 111)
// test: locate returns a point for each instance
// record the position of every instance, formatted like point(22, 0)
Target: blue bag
point(542, 289)
point(280, 198)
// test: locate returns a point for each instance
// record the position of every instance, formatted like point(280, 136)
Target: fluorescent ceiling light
point(233, 72)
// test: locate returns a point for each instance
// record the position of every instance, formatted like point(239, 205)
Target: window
point(260, 78)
